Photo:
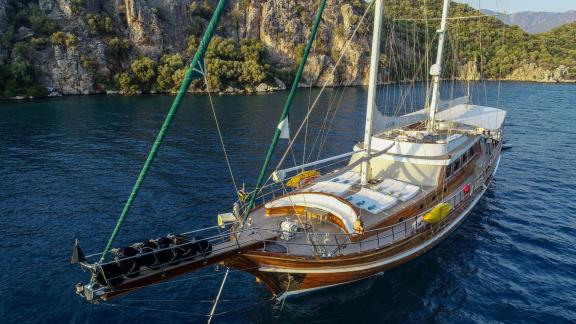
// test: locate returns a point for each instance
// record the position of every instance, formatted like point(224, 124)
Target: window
point(448, 171)
point(456, 165)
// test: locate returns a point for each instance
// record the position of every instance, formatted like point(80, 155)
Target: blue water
point(67, 166)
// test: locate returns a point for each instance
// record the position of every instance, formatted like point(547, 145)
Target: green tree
point(169, 64)
point(119, 49)
point(126, 84)
point(58, 38)
point(144, 71)
point(191, 46)
point(222, 48)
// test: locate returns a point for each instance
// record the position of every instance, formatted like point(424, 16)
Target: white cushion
point(329, 187)
point(402, 190)
point(372, 201)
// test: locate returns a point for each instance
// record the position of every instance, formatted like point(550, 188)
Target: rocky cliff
point(97, 46)
point(157, 27)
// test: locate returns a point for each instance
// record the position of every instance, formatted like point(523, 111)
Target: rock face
point(532, 72)
point(156, 27)
point(469, 72)
point(144, 26)
point(284, 26)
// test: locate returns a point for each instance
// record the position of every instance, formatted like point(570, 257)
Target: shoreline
point(270, 90)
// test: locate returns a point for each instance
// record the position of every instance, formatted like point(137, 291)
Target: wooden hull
point(289, 275)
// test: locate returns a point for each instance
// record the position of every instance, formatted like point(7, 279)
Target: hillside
point(143, 46)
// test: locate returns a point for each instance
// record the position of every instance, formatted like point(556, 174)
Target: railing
point(235, 236)
point(277, 189)
point(381, 237)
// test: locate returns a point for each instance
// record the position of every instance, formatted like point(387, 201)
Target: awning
point(383, 123)
point(456, 110)
point(473, 115)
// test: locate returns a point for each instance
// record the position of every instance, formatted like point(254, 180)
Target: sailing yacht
point(406, 187)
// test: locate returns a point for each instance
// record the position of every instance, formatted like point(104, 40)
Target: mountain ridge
point(535, 22)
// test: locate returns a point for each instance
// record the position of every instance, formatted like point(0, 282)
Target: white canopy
point(457, 110)
point(337, 207)
point(473, 115)
point(383, 123)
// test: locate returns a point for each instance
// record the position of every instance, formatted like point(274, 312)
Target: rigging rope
point(190, 74)
point(218, 296)
point(220, 132)
point(325, 127)
point(291, 143)
point(284, 116)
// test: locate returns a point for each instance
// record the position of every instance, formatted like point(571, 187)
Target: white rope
point(291, 143)
point(325, 128)
point(219, 131)
point(218, 296)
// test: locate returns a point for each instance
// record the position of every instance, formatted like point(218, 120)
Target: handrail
point(408, 228)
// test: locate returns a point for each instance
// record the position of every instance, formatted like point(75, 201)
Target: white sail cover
point(457, 110)
point(473, 115)
point(383, 123)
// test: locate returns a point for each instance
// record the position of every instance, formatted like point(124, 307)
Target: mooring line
point(218, 296)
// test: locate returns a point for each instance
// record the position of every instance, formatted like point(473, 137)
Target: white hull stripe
point(392, 259)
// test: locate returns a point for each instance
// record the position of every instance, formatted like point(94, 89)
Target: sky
point(512, 6)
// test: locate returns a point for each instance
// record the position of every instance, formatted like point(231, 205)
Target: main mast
point(373, 83)
point(436, 69)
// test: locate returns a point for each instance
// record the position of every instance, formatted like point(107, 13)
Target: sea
point(67, 166)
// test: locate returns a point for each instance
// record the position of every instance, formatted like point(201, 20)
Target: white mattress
point(399, 189)
point(329, 187)
point(372, 201)
point(338, 186)
point(348, 177)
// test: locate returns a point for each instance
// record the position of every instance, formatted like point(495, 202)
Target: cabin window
point(464, 158)
point(448, 171)
point(456, 165)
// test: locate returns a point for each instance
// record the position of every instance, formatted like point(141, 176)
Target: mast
point(436, 69)
point(284, 117)
point(190, 74)
point(373, 82)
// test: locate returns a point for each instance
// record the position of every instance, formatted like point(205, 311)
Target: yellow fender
point(298, 179)
point(437, 213)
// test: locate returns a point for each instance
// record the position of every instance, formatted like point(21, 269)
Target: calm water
point(67, 166)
